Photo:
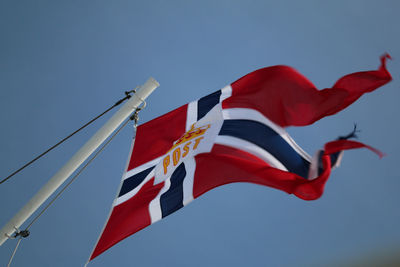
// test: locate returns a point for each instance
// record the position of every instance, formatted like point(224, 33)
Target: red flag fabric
point(233, 135)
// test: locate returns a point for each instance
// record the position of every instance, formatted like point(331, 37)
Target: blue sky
point(63, 62)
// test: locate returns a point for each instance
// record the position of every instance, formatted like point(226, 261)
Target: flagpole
point(59, 178)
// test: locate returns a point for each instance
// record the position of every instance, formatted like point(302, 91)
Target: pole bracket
point(18, 233)
point(23, 233)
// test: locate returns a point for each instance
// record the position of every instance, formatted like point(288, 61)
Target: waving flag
point(236, 134)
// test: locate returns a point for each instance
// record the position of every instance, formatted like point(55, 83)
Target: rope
point(127, 96)
point(13, 254)
point(353, 134)
point(25, 232)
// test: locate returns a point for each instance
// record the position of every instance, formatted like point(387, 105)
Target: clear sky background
point(63, 62)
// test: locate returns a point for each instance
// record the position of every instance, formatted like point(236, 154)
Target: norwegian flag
point(236, 134)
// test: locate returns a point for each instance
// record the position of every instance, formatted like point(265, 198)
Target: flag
point(236, 134)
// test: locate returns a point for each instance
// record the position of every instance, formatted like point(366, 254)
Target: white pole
point(59, 178)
